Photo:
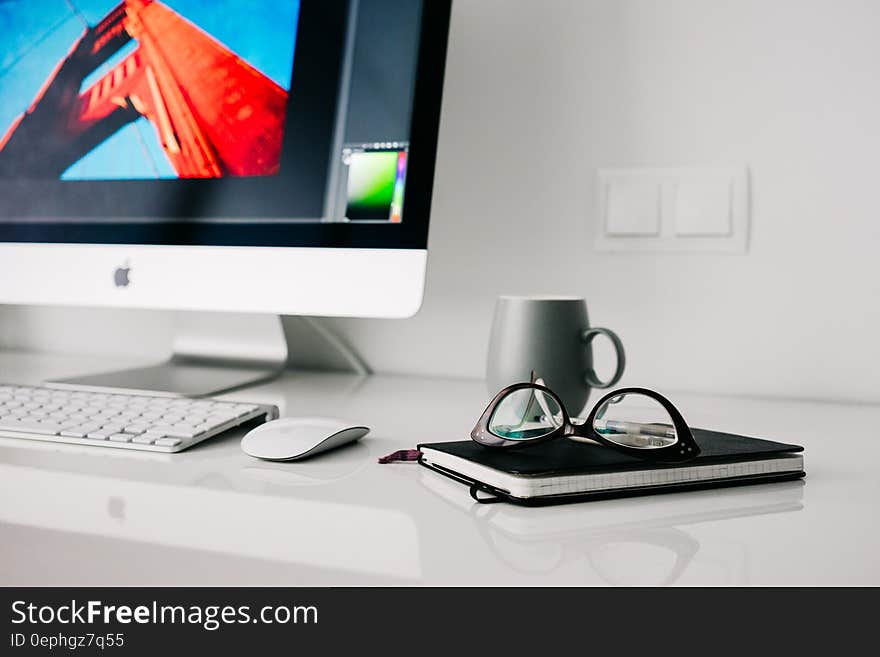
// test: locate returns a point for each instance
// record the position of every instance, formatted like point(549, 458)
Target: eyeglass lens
point(635, 420)
point(525, 414)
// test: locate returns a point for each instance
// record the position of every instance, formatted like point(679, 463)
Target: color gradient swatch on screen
point(372, 178)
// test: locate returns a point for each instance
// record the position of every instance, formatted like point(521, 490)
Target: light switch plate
point(703, 207)
point(699, 209)
point(632, 209)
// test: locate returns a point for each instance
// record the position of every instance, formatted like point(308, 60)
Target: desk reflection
point(620, 542)
point(246, 511)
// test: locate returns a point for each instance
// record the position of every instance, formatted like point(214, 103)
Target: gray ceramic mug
point(552, 337)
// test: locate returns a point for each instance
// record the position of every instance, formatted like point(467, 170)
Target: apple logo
point(122, 276)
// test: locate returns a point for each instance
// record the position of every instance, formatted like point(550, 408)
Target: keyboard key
point(121, 437)
point(98, 435)
point(136, 428)
point(160, 428)
point(74, 433)
point(166, 430)
point(87, 427)
point(112, 427)
point(184, 431)
point(30, 426)
point(168, 442)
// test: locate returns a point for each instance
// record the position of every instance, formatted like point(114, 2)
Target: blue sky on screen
point(36, 34)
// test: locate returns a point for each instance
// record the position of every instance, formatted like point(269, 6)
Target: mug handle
point(590, 377)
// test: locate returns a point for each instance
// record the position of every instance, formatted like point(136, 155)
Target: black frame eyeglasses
point(544, 411)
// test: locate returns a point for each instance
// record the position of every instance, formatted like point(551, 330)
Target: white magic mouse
point(295, 438)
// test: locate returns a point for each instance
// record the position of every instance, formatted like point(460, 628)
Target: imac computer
point(228, 159)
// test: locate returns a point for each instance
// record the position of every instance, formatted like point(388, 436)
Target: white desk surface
point(74, 515)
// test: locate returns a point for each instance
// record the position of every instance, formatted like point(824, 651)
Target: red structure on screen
point(215, 114)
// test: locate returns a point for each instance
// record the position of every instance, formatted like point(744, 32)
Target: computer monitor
point(219, 155)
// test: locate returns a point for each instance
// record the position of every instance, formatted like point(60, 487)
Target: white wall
point(540, 94)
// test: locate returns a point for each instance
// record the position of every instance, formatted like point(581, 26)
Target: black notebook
point(564, 470)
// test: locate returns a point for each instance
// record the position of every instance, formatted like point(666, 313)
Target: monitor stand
point(213, 353)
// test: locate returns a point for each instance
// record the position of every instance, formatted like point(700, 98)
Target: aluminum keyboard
point(119, 420)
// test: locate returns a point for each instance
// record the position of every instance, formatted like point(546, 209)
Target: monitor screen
point(219, 122)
